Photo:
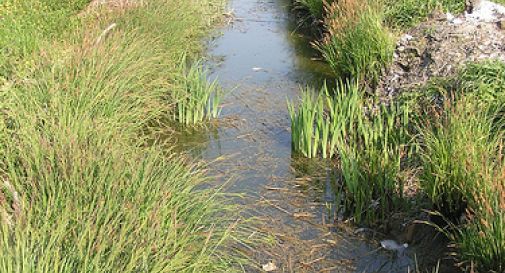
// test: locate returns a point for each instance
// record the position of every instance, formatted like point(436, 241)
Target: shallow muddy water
point(263, 61)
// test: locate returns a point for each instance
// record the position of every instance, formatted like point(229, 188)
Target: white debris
point(406, 37)
point(393, 245)
point(450, 17)
point(257, 69)
point(486, 11)
point(269, 267)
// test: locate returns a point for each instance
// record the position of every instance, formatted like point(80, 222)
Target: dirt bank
point(442, 44)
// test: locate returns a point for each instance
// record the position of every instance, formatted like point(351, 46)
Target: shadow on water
point(261, 57)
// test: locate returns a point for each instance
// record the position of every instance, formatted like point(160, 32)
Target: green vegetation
point(407, 13)
point(370, 145)
point(196, 98)
point(448, 136)
point(458, 148)
point(314, 7)
point(80, 188)
point(25, 25)
point(357, 45)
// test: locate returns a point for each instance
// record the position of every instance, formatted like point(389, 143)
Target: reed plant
point(322, 119)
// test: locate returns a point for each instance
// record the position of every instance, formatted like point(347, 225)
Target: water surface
point(264, 61)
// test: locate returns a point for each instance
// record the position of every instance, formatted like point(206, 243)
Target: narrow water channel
point(264, 62)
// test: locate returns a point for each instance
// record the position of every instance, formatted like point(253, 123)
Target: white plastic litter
point(393, 245)
point(486, 11)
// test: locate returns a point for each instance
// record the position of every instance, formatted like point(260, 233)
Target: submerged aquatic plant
point(197, 98)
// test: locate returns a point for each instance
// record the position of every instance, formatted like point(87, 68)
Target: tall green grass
point(458, 148)
point(481, 242)
point(462, 159)
point(357, 45)
point(81, 190)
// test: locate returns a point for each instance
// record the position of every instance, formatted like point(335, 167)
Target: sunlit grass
point(357, 45)
point(81, 190)
point(369, 141)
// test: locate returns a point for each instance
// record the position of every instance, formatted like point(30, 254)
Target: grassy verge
point(80, 191)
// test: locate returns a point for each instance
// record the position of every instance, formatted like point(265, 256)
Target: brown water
point(264, 61)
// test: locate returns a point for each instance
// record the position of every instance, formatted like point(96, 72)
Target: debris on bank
point(442, 44)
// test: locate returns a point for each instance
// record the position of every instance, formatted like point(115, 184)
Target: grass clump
point(197, 98)
point(371, 163)
point(369, 141)
point(457, 148)
point(481, 242)
point(357, 45)
point(462, 160)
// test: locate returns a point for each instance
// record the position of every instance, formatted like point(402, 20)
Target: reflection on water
point(265, 62)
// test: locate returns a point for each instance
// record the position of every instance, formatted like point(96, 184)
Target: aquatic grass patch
point(322, 119)
point(372, 162)
point(196, 98)
point(304, 133)
point(357, 45)
point(369, 140)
